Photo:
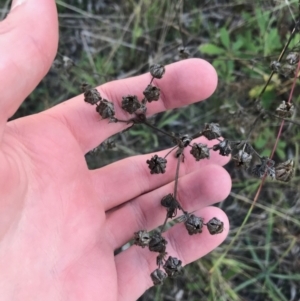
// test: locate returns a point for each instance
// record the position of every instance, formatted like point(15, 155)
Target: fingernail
point(16, 3)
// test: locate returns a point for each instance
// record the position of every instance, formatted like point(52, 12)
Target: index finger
point(184, 82)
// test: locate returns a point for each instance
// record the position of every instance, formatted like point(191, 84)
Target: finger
point(184, 83)
point(28, 39)
point(135, 265)
point(197, 190)
point(132, 175)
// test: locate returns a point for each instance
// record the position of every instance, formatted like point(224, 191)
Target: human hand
point(60, 222)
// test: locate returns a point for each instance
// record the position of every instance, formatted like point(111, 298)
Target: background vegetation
point(117, 39)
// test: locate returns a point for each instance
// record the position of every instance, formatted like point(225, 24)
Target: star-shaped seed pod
point(141, 238)
point(242, 159)
point(151, 93)
point(171, 204)
point(130, 103)
point(211, 131)
point(173, 266)
point(105, 108)
point(285, 109)
point(193, 224)
point(200, 151)
point(91, 96)
point(157, 165)
point(157, 243)
point(223, 147)
point(266, 167)
point(215, 226)
point(284, 171)
point(158, 276)
point(157, 71)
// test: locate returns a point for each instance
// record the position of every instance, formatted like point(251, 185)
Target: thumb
point(28, 39)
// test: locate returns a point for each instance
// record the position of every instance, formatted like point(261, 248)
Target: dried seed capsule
point(173, 266)
point(157, 243)
point(157, 71)
point(183, 52)
point(215, 226)
point(141, 238)
point(171, 204)
point(284, 171)
point(288, 70)
point(211, 131)
point(105, 108)
point(292, 58)
point(266, 167)
point(130, 103)
point(193, 224)
point(158, 276)
point(224, 147)
point(91, 96)
point(157, 165)
point(151, 93)
point(275, 66)
point(242, 159)
point(200, 151)
point(285, 110)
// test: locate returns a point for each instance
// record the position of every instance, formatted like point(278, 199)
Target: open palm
point(60, 222)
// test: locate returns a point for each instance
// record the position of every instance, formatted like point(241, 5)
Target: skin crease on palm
point(60, 222)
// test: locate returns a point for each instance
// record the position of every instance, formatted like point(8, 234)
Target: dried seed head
point(105, 108)
point(91, 96)
point(171, 204)
point(242, 159)
point(200, 151)
point(141, 238)
point(157, 243)
point(157, 165)
point(285, 110)
point(158, 276)
point(266, 167)
point(157, 71)
point(186, 140)
point(288, 70)
point(224, 147)
point(193, 224)
point(292, 58)
point(183, 52)
point(284, 171)
point(151, 93)
point(130, 103)
point(215, 226)
point(173, 266)
point(211, 131)
point(275, 66)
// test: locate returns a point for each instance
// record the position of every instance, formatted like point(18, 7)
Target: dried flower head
point(105, 108)
point(157, 243)
point(183, 52)
point(157, 165)
point(157, 71)
point(284, 171)
point(158, 276)
point(130, 103)
point(275, 66)
point(171, 204)
point(285, 109)
point(141, 238)
point(223, 147)
point(200, 151)
point(91, 96)
point(242, 158)
point(211, 131)
point(173, 266)
point(292, 58)
point(151, 93)
point(193, 224)
point(215, 226)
